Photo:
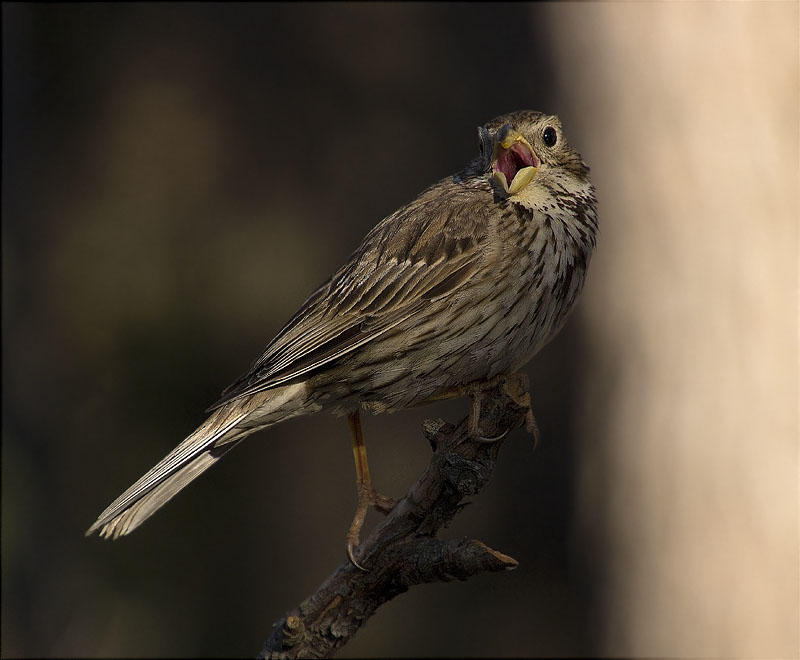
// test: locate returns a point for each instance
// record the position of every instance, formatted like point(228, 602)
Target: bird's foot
point(516, 386)
point(475, 391)
point(367, 497)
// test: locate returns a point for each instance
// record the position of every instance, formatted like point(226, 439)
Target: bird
point(464, 284)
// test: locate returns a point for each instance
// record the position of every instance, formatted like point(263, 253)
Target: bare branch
point(404, 549)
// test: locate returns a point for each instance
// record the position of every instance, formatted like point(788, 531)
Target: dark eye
point(550, 136)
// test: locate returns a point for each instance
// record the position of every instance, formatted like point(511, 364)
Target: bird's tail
point(222, 431)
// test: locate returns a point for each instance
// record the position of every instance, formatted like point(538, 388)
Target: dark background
point(176, 179)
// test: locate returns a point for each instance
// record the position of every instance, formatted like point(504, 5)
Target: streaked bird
point(464, 284)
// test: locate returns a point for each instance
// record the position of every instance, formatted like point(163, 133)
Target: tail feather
point(222, 431)
point(188, 460)
point(123, 519)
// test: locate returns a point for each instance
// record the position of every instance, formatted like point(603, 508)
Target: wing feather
point(422, 252)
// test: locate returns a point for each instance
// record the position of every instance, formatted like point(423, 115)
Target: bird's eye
point(550, 136)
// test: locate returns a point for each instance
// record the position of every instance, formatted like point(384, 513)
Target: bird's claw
point(473, 424)
point(367, 496)
point(516, 386)
point(532, 427)
point(488, 441)
point(351, 545)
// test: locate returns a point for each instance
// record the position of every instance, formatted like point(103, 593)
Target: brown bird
point(464, 284)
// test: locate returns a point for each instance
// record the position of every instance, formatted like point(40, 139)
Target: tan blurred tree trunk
point(689, 118)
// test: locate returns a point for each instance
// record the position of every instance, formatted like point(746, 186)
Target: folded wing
point(426, 250)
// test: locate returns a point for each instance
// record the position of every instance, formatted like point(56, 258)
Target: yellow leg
point(473, 391)
point(367, 495)
point(515, 385)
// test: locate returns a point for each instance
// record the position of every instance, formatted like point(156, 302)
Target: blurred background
point(178, 178)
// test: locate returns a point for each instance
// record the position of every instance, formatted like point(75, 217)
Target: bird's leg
point(516, 385)
point(474, 391)
point(367, 495)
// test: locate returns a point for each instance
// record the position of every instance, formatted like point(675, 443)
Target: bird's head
point(523, 154)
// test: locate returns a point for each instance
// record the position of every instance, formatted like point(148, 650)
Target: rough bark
point(404, 549)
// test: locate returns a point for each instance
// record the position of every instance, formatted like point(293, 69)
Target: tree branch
point(403, 550)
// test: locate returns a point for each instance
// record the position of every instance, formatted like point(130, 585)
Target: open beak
point(513, 164)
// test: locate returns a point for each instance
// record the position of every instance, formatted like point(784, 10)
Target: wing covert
point(424, 251)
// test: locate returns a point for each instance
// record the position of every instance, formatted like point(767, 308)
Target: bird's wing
point(424, 251)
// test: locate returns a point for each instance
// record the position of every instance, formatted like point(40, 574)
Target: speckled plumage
point(466, 282)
